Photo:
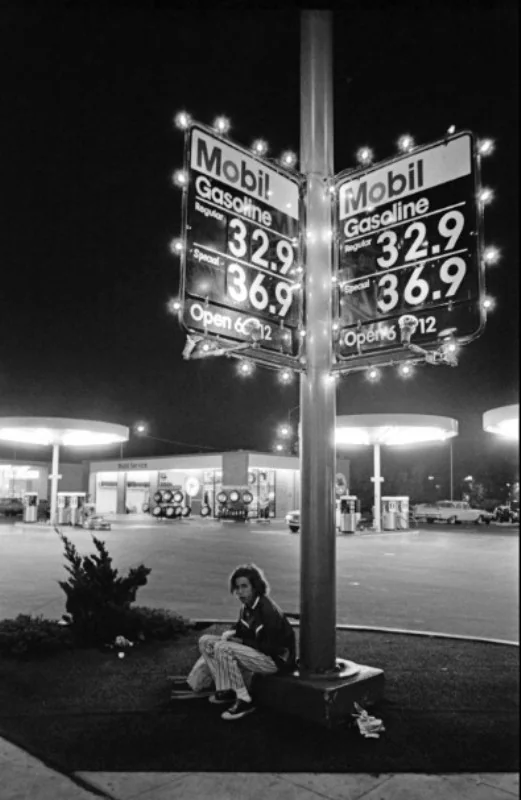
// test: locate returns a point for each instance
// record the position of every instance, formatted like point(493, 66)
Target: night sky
point(88, 149)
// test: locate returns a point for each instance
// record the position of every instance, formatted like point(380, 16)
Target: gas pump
point(402, 516)
point(77, 501)
point(389, 512)
point(30, 501)
point(348, 513)
point(63, 508)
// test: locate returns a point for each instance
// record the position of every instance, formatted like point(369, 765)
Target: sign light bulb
point(491, 255)
point(182, 120)
point(405, 143)
point(288, 159)
point(177, 246)
point(486, 147)
point(285, 430)
point(279, 448)
point(221, 124)
point(285, 376)
point(450, 346)
point(245, 368)
point(488, 303)
point(405, 370)
point(174, 305)
point(373, 375)
point(451, 129)
point(260, 147)
point(364, 155)
point(180, 178)
point(486, 196)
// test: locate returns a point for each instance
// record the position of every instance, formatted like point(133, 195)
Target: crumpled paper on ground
point(370, 727)
point(120, 641)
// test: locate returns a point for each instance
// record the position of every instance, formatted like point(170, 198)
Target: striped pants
point(228, 665)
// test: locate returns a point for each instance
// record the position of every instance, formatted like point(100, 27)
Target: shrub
point(160, 623)
point(29, 636)
point(97, 598)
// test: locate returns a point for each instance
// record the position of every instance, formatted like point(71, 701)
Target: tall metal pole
point(317, 388)
point(377, 488)
point(54, 482)
point(451, 469)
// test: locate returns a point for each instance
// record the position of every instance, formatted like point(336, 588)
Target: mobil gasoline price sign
point(407, 242)
point(242, 245)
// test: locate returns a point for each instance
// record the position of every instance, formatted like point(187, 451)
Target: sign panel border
point(268, 356)
point(395, 351)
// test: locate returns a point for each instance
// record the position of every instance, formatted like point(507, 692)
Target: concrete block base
point(328, 701)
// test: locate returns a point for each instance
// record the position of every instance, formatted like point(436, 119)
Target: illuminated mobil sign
point(407, 243)
point(241, 260)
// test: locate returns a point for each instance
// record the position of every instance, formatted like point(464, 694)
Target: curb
point(294, 619)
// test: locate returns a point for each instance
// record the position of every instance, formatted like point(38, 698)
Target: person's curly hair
point(255, 576)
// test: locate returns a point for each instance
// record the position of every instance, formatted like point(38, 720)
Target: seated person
point(262, 642)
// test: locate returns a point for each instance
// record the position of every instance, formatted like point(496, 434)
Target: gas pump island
point(325, 275)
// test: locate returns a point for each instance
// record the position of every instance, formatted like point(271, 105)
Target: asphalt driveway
point(453, 580)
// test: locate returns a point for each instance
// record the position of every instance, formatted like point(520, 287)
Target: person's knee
point(206, 642)
point(222, 648)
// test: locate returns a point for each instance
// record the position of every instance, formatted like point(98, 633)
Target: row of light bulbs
point(406, 144)
point(222, 125)
point(364, 155)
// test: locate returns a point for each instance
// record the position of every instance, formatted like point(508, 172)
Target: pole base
point(342, 669)
point(325, 699)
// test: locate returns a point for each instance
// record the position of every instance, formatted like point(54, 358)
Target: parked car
point(11, 507)
point(293, 520)
point(451, 511)
point(96, 523)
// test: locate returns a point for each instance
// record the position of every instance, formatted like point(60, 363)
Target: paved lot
point(453, 580)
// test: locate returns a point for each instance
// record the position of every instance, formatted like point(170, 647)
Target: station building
point(117, 486)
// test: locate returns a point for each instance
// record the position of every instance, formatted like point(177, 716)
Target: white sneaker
point(239, 709)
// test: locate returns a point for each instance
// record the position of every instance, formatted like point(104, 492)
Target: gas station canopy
point(61, 431)
point(504, 421)
point(393, 429)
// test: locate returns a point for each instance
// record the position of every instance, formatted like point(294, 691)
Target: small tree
point(97, 599)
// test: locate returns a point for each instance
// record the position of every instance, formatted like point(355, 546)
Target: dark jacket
point(264, 627)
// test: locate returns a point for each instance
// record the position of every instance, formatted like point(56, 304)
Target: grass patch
point(449, 706)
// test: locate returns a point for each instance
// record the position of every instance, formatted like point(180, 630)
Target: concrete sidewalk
point(23, 777)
